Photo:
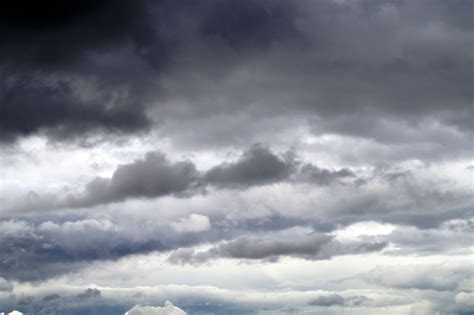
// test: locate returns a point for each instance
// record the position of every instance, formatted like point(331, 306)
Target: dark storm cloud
point(249, 24)
point(53, 33)
point(123, 45)
point(51, 40)
point(404, 81)
point(30, 104)
point(401, 72)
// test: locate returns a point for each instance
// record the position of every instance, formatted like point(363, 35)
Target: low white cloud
point(466, 298)
point(366, 228)
point(191, 224)
point(167, 309)
point(79, 226)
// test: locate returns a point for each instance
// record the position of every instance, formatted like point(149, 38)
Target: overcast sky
point(248, 157)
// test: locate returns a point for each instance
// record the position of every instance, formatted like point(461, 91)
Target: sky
point(251, 157)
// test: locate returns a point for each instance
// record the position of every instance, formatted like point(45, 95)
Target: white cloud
point(167, 309)
point(466, 298)
point(193, 223)
point(354, 231)
point(80, 225)
point(14, 228)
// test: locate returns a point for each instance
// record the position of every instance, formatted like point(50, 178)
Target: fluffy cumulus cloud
point(167, 309)
point(236, 157)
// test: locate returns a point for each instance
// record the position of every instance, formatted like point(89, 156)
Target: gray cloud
point(336, 299)
point(401, 73)
point(122, 46)
point(313, 174)
point(450, 237)
point(398, 80)
point(89, 301)
point(257, 166)
point(374, 98)
point(258, 248)
point(154, 176)
point(274, 245)
point(35, 251)
point(362, 196)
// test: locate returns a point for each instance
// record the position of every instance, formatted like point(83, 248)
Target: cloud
point(52, 85)
point(33, 103)
point(22, 22)
point(450, 237)
point(86, 301)
point(466, 298)
point(5, 285)
point(259, 165)
point(446, 276)
point(272, 128)
point(167, 309)
point(336, 299)
point(154, 176)
point(313, 174)
point(296, 242)
point(102, 83)
point(45, 250)
point(256, 166)
point(258, 248)
point(297, 83)
point(193, 223)
point(261, 63)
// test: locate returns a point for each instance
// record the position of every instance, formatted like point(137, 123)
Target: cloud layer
point(236, 157)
